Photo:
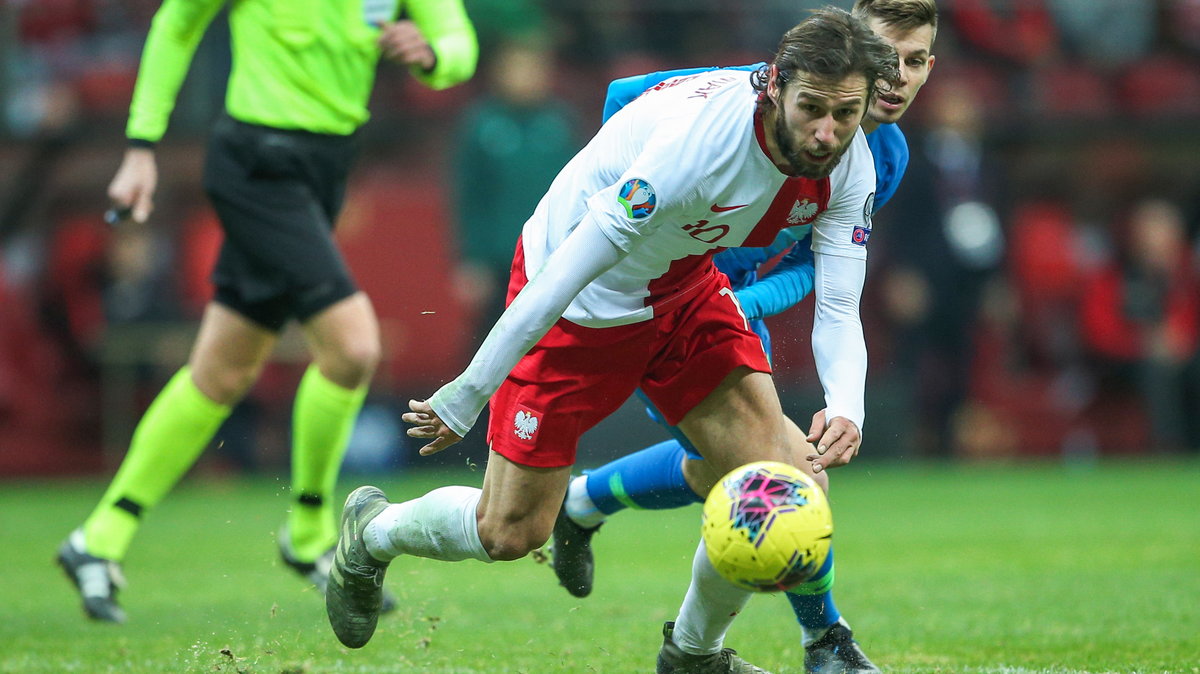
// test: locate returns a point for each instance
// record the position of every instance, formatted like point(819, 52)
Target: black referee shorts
point(277, 194)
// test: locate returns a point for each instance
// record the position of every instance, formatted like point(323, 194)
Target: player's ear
point(773, 84)
point(929, 64)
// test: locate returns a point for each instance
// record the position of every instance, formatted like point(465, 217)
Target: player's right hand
point(429, 426)
point(134, 184)
point(837, 441)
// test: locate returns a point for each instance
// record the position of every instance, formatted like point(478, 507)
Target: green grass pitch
point(1016, 569)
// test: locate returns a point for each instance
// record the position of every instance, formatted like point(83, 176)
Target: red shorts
point(576, 376)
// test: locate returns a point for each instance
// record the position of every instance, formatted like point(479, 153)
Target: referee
point(276, 174)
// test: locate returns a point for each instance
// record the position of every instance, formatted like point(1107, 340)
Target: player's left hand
point(429, 426)
point(402, 42)
point(837, 441)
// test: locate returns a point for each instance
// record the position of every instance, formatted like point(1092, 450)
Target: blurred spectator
point(944, 242)
point(1140, 319)
point(98, 276)
point(138, 284)
point(510, 145)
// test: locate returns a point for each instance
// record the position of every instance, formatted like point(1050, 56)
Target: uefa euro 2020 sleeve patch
point(638, 199)
point(862, 233)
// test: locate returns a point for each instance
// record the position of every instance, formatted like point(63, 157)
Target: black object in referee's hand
point(117, 215)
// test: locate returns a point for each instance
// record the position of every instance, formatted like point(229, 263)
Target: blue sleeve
point(890, 150)
point(622, 91)
point(785, 285)
point(741, 264)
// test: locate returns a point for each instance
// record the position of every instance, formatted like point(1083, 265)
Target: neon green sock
point(167, 441)
point(322, 421)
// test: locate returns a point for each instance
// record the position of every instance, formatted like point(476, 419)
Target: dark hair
point(830, 46)
point(902, 14)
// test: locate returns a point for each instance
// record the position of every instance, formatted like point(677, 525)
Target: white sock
point(580, 507)
point(439, 525)
point(708, 609)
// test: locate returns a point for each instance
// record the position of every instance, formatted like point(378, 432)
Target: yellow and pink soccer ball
point(767, 526)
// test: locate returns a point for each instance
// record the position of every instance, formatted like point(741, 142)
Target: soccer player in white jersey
point(656, 478)
point(613, 288)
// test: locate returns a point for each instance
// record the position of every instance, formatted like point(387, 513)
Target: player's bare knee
point(350, 362)
point(225, 385)
point(361, 357)
point(510, 541)
point(509, 547)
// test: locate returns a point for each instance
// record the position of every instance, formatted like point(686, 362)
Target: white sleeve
point(583, 256)
point(840, 237)
point(845, 228)
point(654, 187)
point(837, 338)
point(672, 153)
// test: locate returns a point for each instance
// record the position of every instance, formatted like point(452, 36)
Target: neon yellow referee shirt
point(297, 64)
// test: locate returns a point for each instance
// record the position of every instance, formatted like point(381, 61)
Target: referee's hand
point(133, 186)
point(428, 425)
point(402, 42)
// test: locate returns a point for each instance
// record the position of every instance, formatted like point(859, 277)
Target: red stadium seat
point(199, 247)
point(1161, 86)
point(1072, 90)
point(1042, 253)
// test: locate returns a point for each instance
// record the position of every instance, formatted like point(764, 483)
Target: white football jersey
point(679, 174)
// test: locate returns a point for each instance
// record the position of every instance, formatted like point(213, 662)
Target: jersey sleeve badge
point(862, 233)
point(637, 197)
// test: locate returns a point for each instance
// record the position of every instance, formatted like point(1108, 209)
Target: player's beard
point(801, 166)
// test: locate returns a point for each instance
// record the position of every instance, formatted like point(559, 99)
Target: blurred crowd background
point(1033, 286)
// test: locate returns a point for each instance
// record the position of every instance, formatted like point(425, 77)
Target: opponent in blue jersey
point(654, 478)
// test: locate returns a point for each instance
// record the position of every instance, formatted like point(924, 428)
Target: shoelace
point(366, 571)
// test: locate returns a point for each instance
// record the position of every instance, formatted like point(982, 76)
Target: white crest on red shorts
point(525, 425)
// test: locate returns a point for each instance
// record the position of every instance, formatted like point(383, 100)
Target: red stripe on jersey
point(684, 278)
point(806, 198)
point(791, 195)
